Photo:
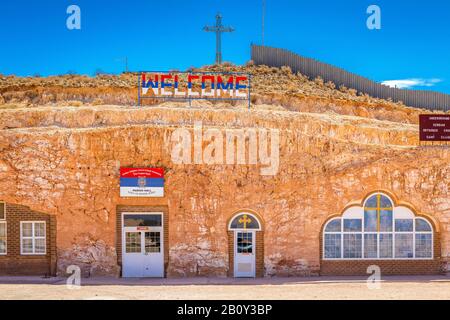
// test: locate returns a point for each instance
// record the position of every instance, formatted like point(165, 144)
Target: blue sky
point(413, 44)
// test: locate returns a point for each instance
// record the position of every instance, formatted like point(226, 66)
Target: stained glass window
point(386, 218)
point(245, 221)
point(424, 243)
point(378, 214)
point(334, 226)
point(422, 225)
point(404, 245)
point(352, 225)
point(370, 245)
point(333, 246)
point(370, 220)
point(386, 245)
point(352, 245)
point(378, 234)
point(404, 225)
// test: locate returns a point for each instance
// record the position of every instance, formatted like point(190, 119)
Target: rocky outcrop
point(61, 147)
point(65, 161)
point(92, 256)
point(270, 86)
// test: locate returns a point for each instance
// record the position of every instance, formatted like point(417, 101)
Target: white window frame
point(6, 238)
point(363, 232)
point(33, 238)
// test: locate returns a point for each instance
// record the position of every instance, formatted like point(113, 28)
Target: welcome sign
point(141, 182)
point(193, 85)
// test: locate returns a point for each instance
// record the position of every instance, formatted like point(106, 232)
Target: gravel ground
point(245, 289)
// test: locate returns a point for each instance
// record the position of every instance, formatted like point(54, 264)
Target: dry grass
point(270, 87)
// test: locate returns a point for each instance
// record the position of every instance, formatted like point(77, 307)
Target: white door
point(153, 263)
point(244, 254)
point(142, 246)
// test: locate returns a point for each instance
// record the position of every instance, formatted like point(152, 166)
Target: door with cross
point(244, 227)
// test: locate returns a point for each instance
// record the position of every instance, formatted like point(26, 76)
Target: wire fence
point(275, 57)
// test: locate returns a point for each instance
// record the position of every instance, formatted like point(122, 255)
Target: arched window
point(245, 221)
point(378, 230)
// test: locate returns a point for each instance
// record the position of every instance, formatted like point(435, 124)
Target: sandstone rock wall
point(65, 161)
point(271, 86)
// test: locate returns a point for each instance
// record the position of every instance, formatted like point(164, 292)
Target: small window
point(132, 242)
point(386, 245)
point(32, 238)
point(378, 214)
point(352, 225)
point(244, 242)
point(334, 226)
point(424, 244)
point(2, 211)
point(371, 245)
point(152, 242)
point(386, 220)
point(370, 220)
point(404, 225)
point(385, 202)
point(422, 225)
point(2, 238)
point(404, 245)
point(245, 221)
point(352, 246)
point(142, 220)
point(372, 201)
point(333, 246)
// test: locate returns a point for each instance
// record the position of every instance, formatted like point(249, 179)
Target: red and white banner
point(141, 172)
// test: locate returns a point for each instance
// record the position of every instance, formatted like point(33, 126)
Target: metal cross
point(245, 219)
point(218, 29)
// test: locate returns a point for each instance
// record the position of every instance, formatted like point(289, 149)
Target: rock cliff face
point(65, 161)
point(271, 86)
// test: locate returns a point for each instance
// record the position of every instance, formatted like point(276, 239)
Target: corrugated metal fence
point(275, 57)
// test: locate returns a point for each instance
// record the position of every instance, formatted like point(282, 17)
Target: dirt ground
point(240, 289)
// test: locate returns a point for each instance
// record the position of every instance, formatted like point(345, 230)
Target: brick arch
point(393, 266)
point(259, 241)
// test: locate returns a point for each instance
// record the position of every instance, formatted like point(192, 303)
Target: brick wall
point(128, 208)
point(13, 263)
point(259, 254)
